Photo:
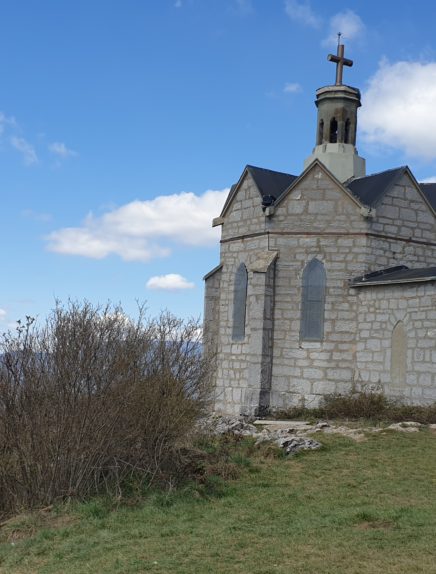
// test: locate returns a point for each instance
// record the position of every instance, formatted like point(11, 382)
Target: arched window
point(239, 303)
point(333, 131)
point(313, 302)
point(347, 131)
point(320, 132)
point(399, 355)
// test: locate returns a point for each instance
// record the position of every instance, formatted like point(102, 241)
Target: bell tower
point(337, 123)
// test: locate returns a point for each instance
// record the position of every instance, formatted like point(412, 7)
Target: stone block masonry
point(380, 337)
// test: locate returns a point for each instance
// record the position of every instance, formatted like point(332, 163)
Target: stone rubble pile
point(293, 436)
point(290, 439)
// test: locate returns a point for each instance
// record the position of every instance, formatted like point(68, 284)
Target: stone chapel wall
point(304, 371)
point(404, 229)
point(325, 224)
point(381, 310)
point(211, 319)
point(235, 356)
point(244, 215)
point(244, 218)
point(317, 219)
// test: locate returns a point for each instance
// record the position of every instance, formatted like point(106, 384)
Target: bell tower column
point(337, 123)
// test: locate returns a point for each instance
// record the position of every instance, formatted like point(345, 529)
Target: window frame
point(313, 297)
point(239, 311)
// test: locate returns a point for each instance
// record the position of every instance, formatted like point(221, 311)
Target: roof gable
point(368, 190)
point(271, 182)
point(268, 182)
point(371, 188)
point(311, 167)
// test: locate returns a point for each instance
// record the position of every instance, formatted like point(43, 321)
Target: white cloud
point(99, 242)
point(2, 314)
point(398, 108)
point(61, 150)
point(431, 179)
point(26, 149)
point(170, 282)
point(302, 13)
point(292, 88)
point(349, 24)
point(141, 230)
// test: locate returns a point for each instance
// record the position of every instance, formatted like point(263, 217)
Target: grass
point(354, 508)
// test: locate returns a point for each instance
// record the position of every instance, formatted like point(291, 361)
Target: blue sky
point(122, 124)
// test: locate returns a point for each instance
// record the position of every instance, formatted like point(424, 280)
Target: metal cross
point(340, 61)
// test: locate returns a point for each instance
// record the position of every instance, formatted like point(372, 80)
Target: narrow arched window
point(399, 355)
point(347, 131)
point(333, 131)
point(239, 303)
point(313, 302)
point(320, 132)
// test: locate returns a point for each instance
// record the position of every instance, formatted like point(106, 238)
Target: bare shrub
point(366, 405)
point(372, 406)
point(90, 398)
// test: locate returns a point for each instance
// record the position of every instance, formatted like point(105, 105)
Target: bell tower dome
point(337, 123)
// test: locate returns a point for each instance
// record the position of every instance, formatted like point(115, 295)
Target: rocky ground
point(294, 436)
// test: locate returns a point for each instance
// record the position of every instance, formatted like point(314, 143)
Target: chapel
point(327, 279)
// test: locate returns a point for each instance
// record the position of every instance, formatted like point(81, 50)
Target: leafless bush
point(90, 398)
point(372, 406)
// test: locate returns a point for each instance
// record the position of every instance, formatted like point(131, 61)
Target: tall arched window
point(239, 303)
point(333, 131)
point(320, 132)
point(399, 355)
point(313, 302)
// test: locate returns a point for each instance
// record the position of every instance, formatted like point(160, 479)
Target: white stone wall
point(233, 356)
point(244, 215)
point(380, 309)
point(304, 371)
point(211, 317)
point(405, 227)
point(315, 220)
point(316, 205)
point(327, 224)
point(318, 219)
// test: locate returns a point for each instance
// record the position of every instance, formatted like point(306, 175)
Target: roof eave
point(213, 271)
point(235, 189)
point(393, 281)
point(418, 188)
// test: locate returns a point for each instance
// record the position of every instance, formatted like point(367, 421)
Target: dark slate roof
point(400, 274)
point(429, 190)
point(271, 182)
point(369, 189)
point(213, 271)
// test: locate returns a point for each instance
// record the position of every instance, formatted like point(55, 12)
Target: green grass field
point(354, 508)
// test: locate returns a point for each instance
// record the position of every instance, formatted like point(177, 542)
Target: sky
point(123, 125)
